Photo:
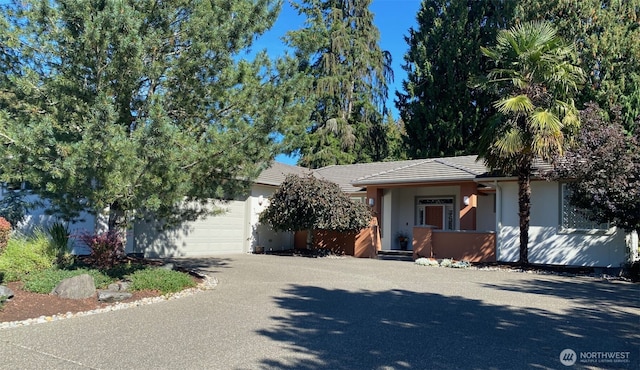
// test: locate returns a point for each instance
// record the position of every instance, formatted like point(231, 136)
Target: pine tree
point(139, 108)
point(338, 48)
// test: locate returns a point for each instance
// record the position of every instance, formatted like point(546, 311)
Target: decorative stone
point(77, 287)
point(119, 286)
point(6, 292)
point(113, 296)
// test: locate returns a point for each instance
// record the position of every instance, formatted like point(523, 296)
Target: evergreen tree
point(338, 48)
point(139, 108)
point(606, 35)
point(442, 115)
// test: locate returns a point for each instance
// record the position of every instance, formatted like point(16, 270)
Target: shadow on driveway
point(208, 264)
point(398, 329)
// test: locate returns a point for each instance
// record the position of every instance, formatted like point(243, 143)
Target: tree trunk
point(524, 206)
point(117, 221)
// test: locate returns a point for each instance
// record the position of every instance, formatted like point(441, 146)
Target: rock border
point(208, 283)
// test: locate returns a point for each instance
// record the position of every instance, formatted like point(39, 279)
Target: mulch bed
point(28, 305)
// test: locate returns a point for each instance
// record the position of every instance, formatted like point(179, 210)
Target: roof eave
point(415, 181)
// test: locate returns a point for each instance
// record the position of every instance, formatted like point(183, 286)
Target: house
point(448, 207)
point(453, 208)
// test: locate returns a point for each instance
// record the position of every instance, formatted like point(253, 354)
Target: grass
point(45, 280)
point(166, 281)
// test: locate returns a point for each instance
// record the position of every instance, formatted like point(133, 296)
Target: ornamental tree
point(605, 164)
point(308, 203)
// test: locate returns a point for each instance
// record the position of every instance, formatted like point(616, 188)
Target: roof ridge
point(446, 162)
point(408, 165)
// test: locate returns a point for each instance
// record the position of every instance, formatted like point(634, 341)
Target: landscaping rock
point(113, 296)
point(6, 292)
point(120, 286)
point(77, 287)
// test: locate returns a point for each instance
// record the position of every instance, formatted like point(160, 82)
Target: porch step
point(396, 255)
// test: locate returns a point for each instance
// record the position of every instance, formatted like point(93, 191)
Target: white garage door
point(220, 234)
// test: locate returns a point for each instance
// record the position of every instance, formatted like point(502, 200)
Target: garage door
point(220, 234)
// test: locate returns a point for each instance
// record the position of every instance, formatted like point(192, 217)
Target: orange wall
point(375, 194)
point(467, 246)
point(363, 244)
point(468, 212)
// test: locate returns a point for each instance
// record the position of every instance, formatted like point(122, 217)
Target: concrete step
point(396, 255)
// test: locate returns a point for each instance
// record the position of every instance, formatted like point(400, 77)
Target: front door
point(435, 212)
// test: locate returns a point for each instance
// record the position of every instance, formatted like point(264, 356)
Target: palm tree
point(534, 76)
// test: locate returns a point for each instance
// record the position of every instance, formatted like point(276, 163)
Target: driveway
point(271, 312)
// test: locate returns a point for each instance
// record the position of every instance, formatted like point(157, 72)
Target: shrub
point(59, 233)
point(45, 280)
point(426, 262)
point(25, 255)
point(5, 232)
point(166, 281)
point(107, 248)
point(446, 262)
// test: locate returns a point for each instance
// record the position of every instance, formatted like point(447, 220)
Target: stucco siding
point(37, 218)
point(261, 234)
point(486, 216)
point(548, 242)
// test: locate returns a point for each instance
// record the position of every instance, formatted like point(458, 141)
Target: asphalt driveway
point(271, 312)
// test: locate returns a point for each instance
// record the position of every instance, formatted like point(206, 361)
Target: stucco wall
point(260, 234)
point(486, 216)
point(38, 218)
point(548, 243)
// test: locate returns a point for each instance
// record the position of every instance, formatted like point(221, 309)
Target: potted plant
point(403, 240)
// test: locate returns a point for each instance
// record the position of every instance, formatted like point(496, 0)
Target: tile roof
point(427, 170)
point(354, 178)
point(275, 174)
point(344, 175)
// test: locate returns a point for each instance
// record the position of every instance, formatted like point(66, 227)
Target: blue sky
point(393, 19)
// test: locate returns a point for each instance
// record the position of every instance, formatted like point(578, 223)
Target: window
point(576, 218)
point(436, 212)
